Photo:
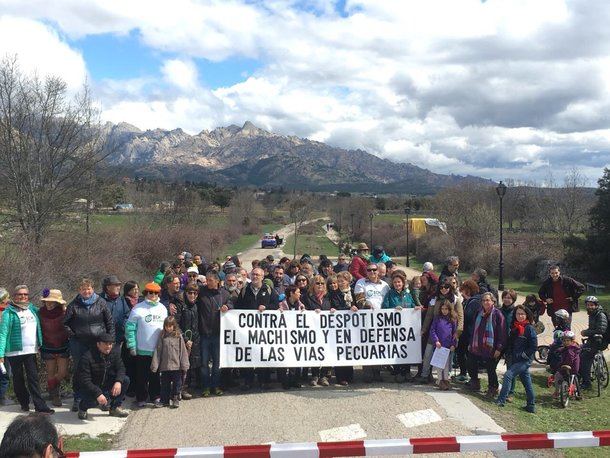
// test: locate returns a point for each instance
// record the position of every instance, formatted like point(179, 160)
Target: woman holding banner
point(317, 299)
point(343, 299)
point(291, 377)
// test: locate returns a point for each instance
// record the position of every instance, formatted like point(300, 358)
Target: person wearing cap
point(54, 349)
point(101, 378)
point(359, 262)
point(142, 331)
point(379, 255)
point(117, 304)
point(86, 317)
point(5, 376)
point(20, 339)
point(193, 277)
point(428, 267)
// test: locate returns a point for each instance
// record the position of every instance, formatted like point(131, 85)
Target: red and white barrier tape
point(492, 443)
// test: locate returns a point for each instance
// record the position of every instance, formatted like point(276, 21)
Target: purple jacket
point(570, 356)
point(499, 330)
point(443, 331)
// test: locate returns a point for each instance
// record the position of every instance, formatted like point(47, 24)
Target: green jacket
point(10, 330)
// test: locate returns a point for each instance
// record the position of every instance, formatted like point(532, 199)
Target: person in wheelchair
point(569, 363)
point(598, 324)
point(564, 322)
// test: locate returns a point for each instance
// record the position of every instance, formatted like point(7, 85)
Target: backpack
point(607, 333)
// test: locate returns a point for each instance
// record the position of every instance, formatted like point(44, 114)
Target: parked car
point(268, 241)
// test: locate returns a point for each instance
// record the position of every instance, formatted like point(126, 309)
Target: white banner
point(249, 338)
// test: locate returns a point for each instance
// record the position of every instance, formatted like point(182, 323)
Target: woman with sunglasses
point(142, 331)
point(317, 299)
point(302, 282)
point(188, 321)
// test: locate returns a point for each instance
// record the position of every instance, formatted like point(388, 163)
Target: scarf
point(90, 301)
point(132, 301)
point(488, 333)
point(347, 296)
point(319, 297)
point(151, 303)
point(22, 305)
point(520, 327)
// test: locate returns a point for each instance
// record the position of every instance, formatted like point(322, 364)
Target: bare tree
point(49, 145)
point(573, 205)
point(299, 209)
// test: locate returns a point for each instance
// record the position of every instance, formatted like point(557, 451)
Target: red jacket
point(358, 268)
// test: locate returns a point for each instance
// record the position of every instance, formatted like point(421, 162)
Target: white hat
point(428, 267)
point(192, 270)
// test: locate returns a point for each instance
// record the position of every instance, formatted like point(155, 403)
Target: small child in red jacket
point(569, 353)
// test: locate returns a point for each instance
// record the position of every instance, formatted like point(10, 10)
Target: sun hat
point(362, 247)
point(54, 296)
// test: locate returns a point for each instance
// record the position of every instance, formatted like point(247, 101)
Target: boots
point(53, 387)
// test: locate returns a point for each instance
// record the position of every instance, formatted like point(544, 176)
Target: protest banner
point(250, 338)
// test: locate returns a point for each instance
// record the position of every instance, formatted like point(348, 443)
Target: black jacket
point(208, 305)
point(84, 323)
point(598, 323)
point(337, 300)
point(248, 301)
point(311, 303)
point(188, 320)
point(98, 372)
point(571, 287)
point(177, 300)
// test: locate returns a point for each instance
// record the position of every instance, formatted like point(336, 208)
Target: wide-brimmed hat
point(111, 280)
point(362, 247)
point(54, 296)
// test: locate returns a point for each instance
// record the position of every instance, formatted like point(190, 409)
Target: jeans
point(171, 385)
point(5, 379)
point(77, 350)
point(587, 355)
point(210, 350)
point(19, 365)
point(521, 369)
point(88, 401)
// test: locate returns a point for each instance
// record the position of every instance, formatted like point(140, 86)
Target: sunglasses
point(371, 270)
point(301, 279)
point(445, 286)
point(320, 283)
point(153, 293)
point(191, 292)
point(22, 294)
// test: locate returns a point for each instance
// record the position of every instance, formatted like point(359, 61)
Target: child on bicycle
point(569, 353)
point(595, 333)
point(563, 324)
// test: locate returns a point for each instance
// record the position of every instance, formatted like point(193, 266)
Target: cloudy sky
point(498, 88)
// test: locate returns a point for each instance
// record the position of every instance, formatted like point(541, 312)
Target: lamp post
point(352, 232)
point(371, 216)
point(501, 191)
point(407, 213)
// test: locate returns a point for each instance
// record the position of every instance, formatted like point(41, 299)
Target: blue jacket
point(395, 299)
point(471, 309)
point(119, 309)
point(522, 348)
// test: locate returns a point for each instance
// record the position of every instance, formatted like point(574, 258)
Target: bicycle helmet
point(561, 313)
point(569, 335)
point(592, 299)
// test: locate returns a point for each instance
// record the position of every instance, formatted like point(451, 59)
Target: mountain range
point(250, 156)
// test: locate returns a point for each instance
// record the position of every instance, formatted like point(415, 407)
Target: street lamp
point(371, 216)
point(407, 213)
point(352, 233)
point(501, 191)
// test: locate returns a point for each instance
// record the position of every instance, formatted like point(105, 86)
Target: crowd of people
point(161, 345)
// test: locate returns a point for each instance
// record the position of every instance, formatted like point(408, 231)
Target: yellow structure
point(419, 226)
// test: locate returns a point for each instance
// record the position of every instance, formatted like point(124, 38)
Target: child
point(54, 350)
point(142, 331)
point(443, 333)
point(415, 290)
point(563, 320)
point(171, 358)
point(570, 356)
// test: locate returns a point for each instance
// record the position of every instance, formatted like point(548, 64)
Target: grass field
point(312, 244)
point(589, 414)
point(85, 443)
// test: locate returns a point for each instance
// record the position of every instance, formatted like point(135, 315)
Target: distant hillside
point(250, 156)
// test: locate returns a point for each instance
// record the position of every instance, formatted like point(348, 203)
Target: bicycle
point(599, 370)
point(570, 387)
point(541, 354)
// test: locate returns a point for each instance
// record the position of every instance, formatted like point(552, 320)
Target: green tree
point(598, 237)
point(111, 195)
point(222, 198)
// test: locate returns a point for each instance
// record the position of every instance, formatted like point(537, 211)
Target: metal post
point(501, 191)
point(407, 212)
point(371, 216)
point(352, 233)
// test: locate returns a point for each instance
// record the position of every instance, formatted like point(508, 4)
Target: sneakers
point(55, 397)
point(324, 381)
point(313, 381)
point(492, 392)
point(444, 385)
point(118, 412)
point(157, 404)
point(75, 406)
point(141, 404)
point(462, 378)
point(530, 409)
point(82, 415)
point(104, 408)
point(186, 395)
point(206, 393)
point(175, 403)
point(217, 391)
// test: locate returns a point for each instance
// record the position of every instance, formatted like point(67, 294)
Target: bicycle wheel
point(577, 391)
point(564, 394)
point(597, 364)
point(604, 371)
point(541, 354)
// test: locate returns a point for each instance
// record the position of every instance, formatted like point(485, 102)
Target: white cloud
point(469, 86)
point(40, 49)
